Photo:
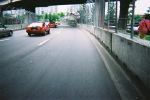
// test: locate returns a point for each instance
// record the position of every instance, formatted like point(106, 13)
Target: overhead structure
point(31, 4)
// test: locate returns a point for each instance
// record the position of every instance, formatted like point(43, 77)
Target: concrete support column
point(1, 15)
point(96, 12)
point(100, 12)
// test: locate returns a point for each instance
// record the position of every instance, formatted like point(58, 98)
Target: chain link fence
point(17, 19)
point(112, 19)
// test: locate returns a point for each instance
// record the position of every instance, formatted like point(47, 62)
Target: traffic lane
point(82, 77)
point(65, 68)
point(20, 38)
point(21, 44)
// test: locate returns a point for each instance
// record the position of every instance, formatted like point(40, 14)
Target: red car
point(38, 28)
point(52, 25)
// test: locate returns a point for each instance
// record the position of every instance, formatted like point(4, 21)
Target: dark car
point(4, 31)
point(38, 28)
point(72, 21)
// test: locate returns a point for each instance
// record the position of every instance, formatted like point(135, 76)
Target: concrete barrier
point(134, 53)
point(16, 26)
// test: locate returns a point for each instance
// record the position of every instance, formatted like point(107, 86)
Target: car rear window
point(36, 24)
point(46, 23)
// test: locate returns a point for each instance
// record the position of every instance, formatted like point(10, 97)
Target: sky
point(63, 8)
point(141, 6)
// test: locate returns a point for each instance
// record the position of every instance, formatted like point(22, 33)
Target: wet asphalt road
point(64, 65)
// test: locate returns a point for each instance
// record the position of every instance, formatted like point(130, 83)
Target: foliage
point(61, 14)
point(137, 18)
point(39, 17)
point(46, 16)
point(51, 17)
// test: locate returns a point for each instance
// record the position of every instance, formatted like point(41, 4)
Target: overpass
point(31, 4)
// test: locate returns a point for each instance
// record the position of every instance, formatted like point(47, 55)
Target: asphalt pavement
point(64, 65)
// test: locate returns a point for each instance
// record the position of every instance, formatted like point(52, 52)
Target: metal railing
point(127, 25)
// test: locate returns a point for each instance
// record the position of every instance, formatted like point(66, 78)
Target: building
point(49, 9)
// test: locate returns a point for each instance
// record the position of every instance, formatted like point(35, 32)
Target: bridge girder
point(31, 4)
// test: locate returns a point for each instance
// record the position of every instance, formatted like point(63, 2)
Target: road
point(64, 65)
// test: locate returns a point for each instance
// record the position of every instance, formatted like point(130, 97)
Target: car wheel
point(29, 34)
point(44, 33)
point(10, 33)
point(48, 32)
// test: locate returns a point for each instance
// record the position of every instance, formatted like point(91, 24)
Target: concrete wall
point(135, 53)
point(16, 26)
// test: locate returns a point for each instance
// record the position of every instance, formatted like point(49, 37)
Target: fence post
point(132, 20)
point(108, 14)
point(116, 29)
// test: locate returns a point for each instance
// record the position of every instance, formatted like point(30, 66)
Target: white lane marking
point(4, 40)
point(43, 42)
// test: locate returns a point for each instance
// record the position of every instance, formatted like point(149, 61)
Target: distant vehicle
point(52, 24)
point(57, 23)
point(38, 28)
point(71, 20)
point(72, 23)
point(4, 31)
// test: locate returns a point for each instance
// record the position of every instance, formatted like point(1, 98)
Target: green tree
point(50, 17)
point(53, 17)
point(61, 14)
point(137, 18)
point(46, 17)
